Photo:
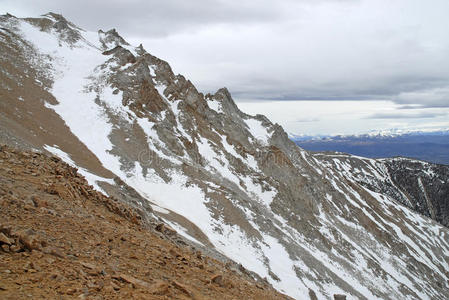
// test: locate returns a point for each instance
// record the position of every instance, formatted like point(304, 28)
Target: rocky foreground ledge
point(60, 239)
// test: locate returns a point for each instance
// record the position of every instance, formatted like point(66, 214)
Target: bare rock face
point(111, 39)
point(230, 183)
point(421, 186)
point(65, 30)
point(426, 186)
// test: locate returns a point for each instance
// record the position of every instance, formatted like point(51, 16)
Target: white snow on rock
point(215, 105)
point(92, 179)
point(258, 131)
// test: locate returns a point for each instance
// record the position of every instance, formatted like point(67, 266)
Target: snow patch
point(92, 179)
point(258, 131)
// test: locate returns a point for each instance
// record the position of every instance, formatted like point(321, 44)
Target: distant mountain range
point(427, 146)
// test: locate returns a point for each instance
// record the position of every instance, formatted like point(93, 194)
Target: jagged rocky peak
point(140, 49)
point(150, 72)
point(121, 55)
point(66, 30)
point(223, 96)
point(7, 16)
point(59, 19)
point(111, 39)
point(144, 78)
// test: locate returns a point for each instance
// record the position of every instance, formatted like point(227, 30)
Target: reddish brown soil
point(60, 239)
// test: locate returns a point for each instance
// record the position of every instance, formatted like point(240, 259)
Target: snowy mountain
point(430, 146)
point(313, 225)
point(416, 184)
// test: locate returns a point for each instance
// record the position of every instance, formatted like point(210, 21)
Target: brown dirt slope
point(60, 239)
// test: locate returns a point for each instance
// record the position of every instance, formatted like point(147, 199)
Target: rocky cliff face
point(425, 186)
point(230, 182)
point(421, 186)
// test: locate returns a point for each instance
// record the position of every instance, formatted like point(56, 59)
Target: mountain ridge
point(217, 175)
point(427, 146)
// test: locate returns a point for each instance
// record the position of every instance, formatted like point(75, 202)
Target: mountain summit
point(313, 225)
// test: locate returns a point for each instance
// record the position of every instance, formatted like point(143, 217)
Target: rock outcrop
point(421, 186)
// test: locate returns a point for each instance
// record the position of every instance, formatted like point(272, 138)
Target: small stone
point(167, 230)
point(49, 211)
point(339, 297)
point(15, 248)
point(29, 240)
point(160, 227)
point(38, 202)
point(4, 239)
point(92, 285)
point(28, 207)
point(88, 265)
point(6, 229)
point(70, 291)
point(174, 252)
point(181, 287)
point(5, 248)
point(217, 279)
point(115, 286)
point(49, 260)
point(134, 281)
point(54, 251)
point(158, 288)
point(93, 272)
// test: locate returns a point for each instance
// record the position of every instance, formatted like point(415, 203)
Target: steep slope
point(419, 185)
point(61, 239)
point(222, 178)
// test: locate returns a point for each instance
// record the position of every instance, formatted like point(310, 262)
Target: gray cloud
point(413, 115)
point(153, 17)
point(411, 106)
point(436, 97)
point(307, 120)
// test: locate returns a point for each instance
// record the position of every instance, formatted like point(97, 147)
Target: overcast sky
point(388, 54)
